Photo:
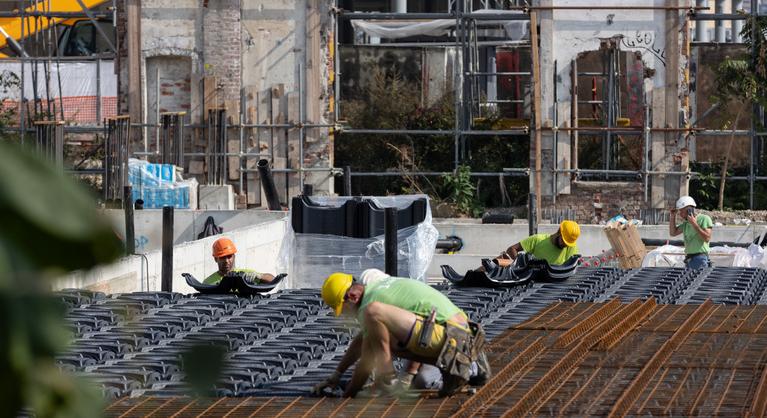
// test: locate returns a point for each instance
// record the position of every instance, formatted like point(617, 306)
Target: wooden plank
point(536, 109)
point(313, 71)
point(133, 27)
point(294, 136)
point(209, 95)
point(251, 145)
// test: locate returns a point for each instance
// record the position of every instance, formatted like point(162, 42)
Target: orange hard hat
point(223, 247)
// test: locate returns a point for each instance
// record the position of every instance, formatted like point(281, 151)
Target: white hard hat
point(685, 201)
point(371, 275)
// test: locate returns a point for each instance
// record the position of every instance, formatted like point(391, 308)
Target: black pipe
point(267, 182)
point(347, 180)
point(659, 242)
point(308, 189)
point(451, 244)
point(167, 249)
point(532, 224)
point(390, 240)
point(130, 232)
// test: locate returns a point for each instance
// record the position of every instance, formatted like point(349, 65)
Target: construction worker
point(223, 252)
point(555, 248)
point(408, 319)
point(696, 230)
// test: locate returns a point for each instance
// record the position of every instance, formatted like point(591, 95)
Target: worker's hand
point(690, 218)
point(329, 383)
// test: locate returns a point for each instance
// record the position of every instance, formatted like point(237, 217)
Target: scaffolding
point(474, 84)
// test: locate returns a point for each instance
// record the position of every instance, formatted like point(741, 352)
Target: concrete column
point(719, 32)
point(701, 34)
point(492, 82)
point(399, 6)
point(737, 25)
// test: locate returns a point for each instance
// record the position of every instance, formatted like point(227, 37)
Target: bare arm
point(511, 252)
point(704, 233)
point(361, 372)
point(266, 277)
point(351, 356)
point(673, 230)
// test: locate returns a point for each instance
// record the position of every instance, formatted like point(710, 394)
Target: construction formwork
point(469, 103)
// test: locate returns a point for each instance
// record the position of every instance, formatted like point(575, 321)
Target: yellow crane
point(15, 28)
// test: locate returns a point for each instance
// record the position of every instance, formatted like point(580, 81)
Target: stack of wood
point(626, 244)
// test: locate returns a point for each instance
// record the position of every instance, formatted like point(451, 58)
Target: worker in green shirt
point(555, 248)
point(223, 252)
point(408, 319)
point(696, 230)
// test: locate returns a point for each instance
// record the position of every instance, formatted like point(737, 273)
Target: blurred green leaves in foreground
point(50, 227)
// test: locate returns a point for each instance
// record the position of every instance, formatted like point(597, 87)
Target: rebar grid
point(640, 359)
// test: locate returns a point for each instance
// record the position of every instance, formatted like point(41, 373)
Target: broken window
point(610, 96)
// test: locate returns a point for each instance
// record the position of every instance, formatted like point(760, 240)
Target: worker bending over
point(555, 248)
point(408, 319)
point(223, 252)
point(696, 230)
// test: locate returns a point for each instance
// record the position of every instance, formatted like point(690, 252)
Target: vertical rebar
point(532, 224)
point(390, 240)
point(167, 249)
point(130, 233)
point(347, 180)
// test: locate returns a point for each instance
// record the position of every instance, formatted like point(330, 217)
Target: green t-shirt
point(541, 247)
point(216, 277)
point(410, 295)
point(693, 242)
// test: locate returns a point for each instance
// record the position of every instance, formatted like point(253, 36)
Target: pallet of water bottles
point(159, 185)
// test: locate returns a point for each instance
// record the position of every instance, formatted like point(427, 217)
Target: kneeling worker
point(408, 319)
point(223, 253)
point(555, 248)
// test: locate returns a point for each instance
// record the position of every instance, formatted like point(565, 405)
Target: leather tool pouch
point(456, 355)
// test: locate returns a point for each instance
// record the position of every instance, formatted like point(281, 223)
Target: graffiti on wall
point(644, 40)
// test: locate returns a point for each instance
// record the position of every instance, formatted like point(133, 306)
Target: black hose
point(267, 182)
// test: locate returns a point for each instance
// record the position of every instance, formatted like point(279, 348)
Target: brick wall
point(222, 46)
point(594, 201)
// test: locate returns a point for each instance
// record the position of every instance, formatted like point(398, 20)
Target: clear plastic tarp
point(516, 30)
point(673, 256)
point(310, 258)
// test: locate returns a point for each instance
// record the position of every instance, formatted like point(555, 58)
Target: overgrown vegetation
point(389, 102)
point(740, 84)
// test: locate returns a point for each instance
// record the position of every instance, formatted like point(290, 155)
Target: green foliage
point(51, 226)
point(389, 102)
point(462, 192)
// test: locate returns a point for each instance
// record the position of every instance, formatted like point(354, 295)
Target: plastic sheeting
point(157, 185)
point(310, 258)
point(78, 79)
point(516, 30)
point(673, 256)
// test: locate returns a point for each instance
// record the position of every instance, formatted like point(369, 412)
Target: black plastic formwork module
point(356, 218)
point(131, 344)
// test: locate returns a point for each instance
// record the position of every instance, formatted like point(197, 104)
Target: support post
point(347, 180)
point(167, 249)
point(267, 182)
point(390, 240)
point(536, 108)
point(130, 233)
point(532, 219)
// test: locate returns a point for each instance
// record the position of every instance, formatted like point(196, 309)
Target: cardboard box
point(626, 244)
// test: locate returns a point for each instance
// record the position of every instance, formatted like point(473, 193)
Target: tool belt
point(461, 348)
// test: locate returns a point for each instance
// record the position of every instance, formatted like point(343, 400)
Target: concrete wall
point(212, 54)
point(258, 248)
point(187, 224)
point(655, 35)
point(487, 241)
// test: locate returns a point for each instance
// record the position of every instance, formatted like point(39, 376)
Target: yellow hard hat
point(570, 232)
point(334, 290)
